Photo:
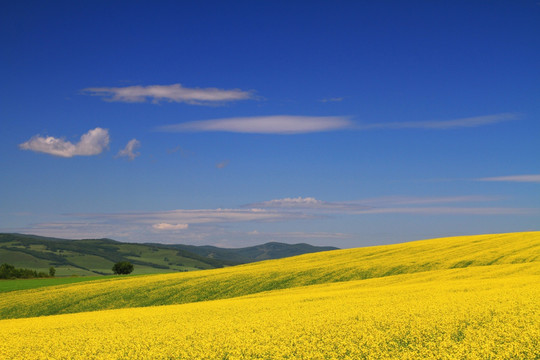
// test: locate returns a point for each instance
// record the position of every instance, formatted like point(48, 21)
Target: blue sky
point(347, 123)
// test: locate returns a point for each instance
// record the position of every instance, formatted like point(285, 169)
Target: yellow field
point(309, 269)
point(447, 314)
point(475, 312)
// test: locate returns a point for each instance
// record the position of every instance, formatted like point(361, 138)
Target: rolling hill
point(426, 257)
point(97, 256)
point(268, 251)
point(485, 312)
point(471, 297)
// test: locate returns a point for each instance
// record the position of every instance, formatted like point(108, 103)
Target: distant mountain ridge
point(268, 251)
point(97, 256)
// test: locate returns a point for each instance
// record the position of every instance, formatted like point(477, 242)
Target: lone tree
point(52, 271)
point(122, 268)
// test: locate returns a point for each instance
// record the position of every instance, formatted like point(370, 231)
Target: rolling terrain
point(419, 257)
point(97, 256)
point(268, 251)
point(471, 297)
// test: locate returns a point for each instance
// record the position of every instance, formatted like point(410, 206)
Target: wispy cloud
point(449, 210)
point(91, 143)
point(297, 209)
point(80, 230)
point(312, 203)
point(299, 235)
point(165, 226)
point(222, 164)
point(197, 216)
point(297, 202)
point(443, 124)
point(278, 124)
point(534, 178)
point(170, 93)
point(417, 200)
point(392, 205)
point(335, 99)
point(195, 225)
point(215, 225)
point(183, 152)
point(129, 150)
point(308, 203)
point(289, 124)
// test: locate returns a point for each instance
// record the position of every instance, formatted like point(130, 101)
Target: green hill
point(268, 251)
point(498, 252)
point(97, 256)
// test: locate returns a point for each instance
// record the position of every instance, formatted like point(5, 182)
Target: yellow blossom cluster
point(480, 312)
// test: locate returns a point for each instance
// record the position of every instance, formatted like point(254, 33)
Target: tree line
point(8, 271)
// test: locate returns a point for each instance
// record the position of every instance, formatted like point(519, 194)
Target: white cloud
point(91, 143)
point(171, 93)
point(290, 209)
point(310, 203)
point(128, 151)
point(288, 124)
point(444, 124)
point(293, 202)
point(534, 178)
point(278, 124)
point(165, 226)
point(205, 226)
point(202, 216)
point(392, 205)
point(298, 202)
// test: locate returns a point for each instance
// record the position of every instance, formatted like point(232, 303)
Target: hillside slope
point(97, 256)
point(318, 268)
point(479, 312)
point(268, 251)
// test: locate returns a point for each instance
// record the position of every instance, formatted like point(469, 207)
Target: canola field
point(487, 311)
point(309, 269)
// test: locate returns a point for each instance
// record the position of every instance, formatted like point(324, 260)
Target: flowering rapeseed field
point(446, 314)
point(309, 269)
point(475, 312)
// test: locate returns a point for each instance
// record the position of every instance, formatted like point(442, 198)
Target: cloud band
point(278, 124)
point(171, 93)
